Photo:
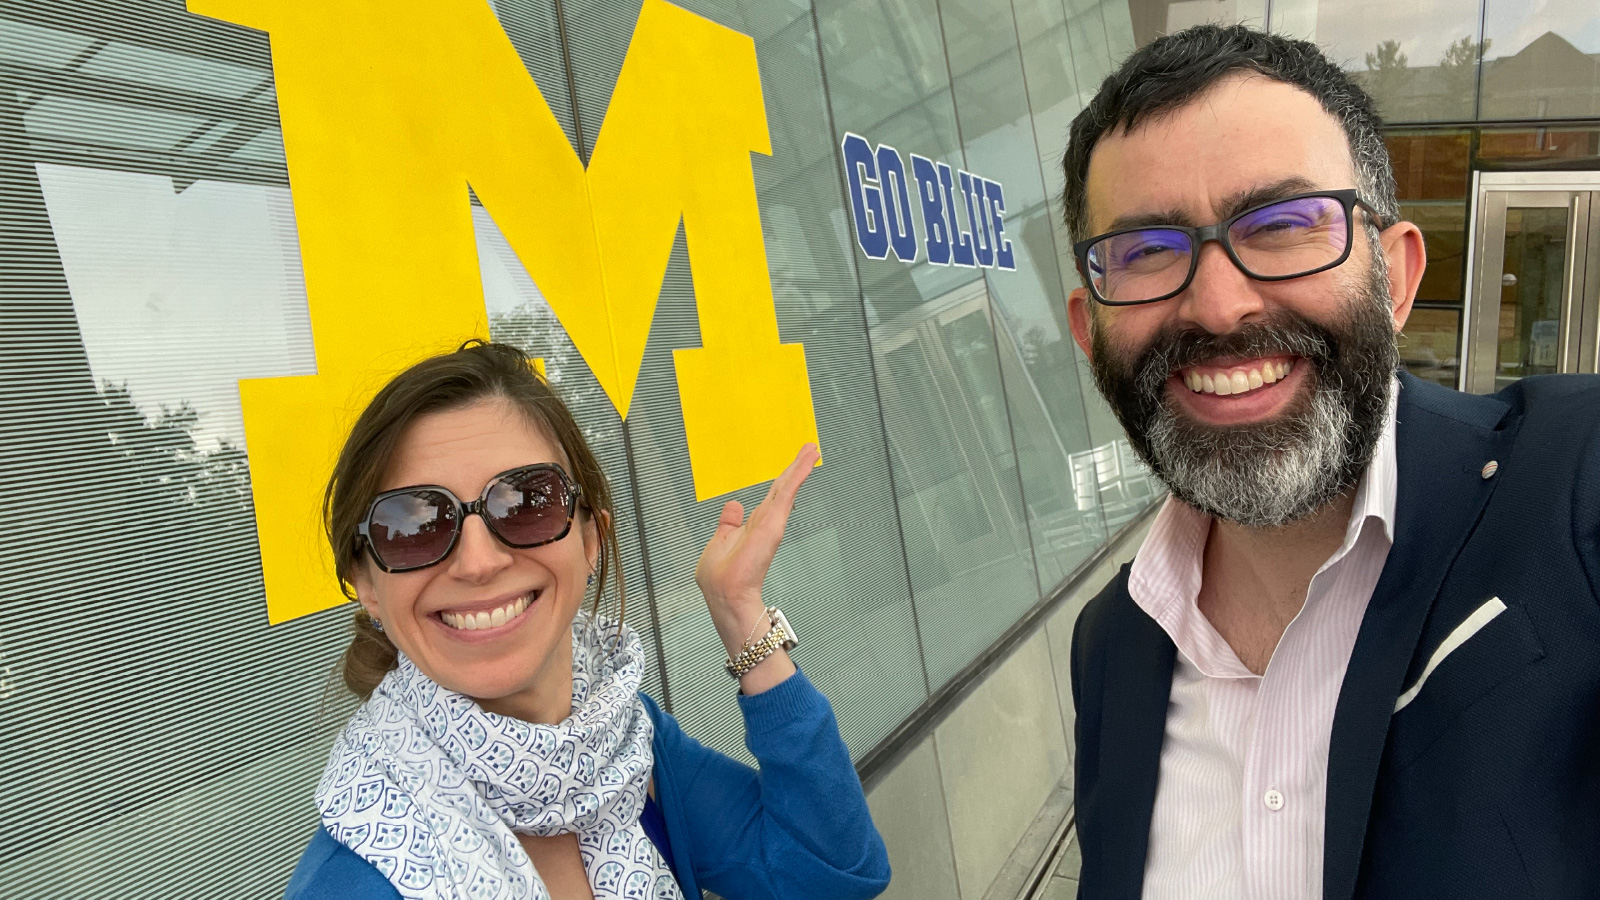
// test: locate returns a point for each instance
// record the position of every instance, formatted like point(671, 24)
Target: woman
point(504, 749)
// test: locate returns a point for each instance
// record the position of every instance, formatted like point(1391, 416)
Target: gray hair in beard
point(1267, 475)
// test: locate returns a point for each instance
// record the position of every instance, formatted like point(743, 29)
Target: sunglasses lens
point(528, 507)
point(412, 529)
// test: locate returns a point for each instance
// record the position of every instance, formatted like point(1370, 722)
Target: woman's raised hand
point(735, 562)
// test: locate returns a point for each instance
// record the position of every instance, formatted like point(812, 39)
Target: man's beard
point(1276, 472)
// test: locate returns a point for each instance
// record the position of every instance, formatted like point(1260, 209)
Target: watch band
point(781, 636)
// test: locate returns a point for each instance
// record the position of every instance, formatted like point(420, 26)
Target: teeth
point(1238, 381)
point(492, 619)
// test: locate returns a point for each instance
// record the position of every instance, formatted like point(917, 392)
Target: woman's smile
point(488, 619)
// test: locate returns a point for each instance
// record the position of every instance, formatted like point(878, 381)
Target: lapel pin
point(1489, 468)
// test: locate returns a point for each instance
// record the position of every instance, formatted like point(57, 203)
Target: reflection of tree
point(534, 328)
point(1054, 366)
point(1458, 67)
point(135, 517)
point(1421, 93)
point(1387, 77)
point(169, 467)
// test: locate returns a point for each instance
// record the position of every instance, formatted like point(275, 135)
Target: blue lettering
point(880, 188)
point(866, 200)
point(896, 203)
point(933, 223)
point(982, 238)
point(960, 240)
point(1004, 258)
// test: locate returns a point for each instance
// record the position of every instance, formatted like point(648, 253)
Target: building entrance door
point(1534, 303)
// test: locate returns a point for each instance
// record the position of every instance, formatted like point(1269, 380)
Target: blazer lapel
point(1137, 683)
point(1442, 440)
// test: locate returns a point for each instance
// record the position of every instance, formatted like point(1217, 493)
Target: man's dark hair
point(1172, 70)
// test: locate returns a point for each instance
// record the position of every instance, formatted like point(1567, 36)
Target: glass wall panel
point(938, 368)
point(1432, 180)
point(1149, 19)
point(1028, 305)
point(1541, 60)
point(1536, 245)
point(1539, 147)
point(1091, 48)
point(1419, 61)
point(147, 261)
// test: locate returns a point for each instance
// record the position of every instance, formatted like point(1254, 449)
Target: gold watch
point(781, 636)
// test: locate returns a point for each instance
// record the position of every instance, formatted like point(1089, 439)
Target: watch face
point(781, 622)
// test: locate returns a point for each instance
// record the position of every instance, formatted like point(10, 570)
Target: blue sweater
point(797, 829)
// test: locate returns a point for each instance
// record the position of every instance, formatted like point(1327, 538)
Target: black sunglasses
point(415, 527)
point(1289, 238)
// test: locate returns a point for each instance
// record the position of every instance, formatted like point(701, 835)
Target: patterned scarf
point(432, 789)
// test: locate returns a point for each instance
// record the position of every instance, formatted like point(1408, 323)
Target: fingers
point(787, 484)
point(732, 516)
point(773, 513)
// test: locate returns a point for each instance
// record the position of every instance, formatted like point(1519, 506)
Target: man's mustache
point(1176, 347)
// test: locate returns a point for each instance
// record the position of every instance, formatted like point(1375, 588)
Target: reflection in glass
point(1430, 344)
point(1419, 62)
point(955, 477)
point(1543, 60)
point(1531, 292)
point(1528, 146)
point(408, 515)
point(1149, 19)
point(1431, 179)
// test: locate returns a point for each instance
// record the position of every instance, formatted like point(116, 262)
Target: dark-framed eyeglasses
point(1289, 238)
point(415, 527)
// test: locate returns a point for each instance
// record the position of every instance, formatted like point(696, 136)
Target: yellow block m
point(391, 109)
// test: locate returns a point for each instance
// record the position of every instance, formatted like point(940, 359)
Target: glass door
point(1534, 307)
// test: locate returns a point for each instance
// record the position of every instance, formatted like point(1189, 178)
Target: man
point(1359, 653)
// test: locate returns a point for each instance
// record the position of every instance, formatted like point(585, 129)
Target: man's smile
point(1235, 377)
point(1228, 392)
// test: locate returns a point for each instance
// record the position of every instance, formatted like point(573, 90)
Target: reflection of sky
point(1349, 29)
point(506, 283)
point(180, 295)
point(1514, 24)
point(405, 515)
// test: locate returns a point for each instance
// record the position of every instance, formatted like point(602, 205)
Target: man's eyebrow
point(1248, 199)
point(1231, 205)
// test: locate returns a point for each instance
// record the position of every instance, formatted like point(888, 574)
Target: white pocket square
point(1469, 626)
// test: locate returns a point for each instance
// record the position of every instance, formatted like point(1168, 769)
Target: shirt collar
point(1375, 492)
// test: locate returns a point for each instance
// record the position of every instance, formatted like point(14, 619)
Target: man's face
point(1255, 401)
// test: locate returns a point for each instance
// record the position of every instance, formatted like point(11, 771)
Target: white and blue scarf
point(432, 790)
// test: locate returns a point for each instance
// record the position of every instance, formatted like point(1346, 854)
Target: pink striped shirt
point(1239, 804)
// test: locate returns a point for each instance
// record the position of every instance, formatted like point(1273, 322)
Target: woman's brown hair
point(477, 370)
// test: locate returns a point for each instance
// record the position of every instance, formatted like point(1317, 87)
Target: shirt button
point(1273, 800)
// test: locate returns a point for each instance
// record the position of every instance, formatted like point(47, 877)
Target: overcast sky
point(1349, 29)
point(180, 295)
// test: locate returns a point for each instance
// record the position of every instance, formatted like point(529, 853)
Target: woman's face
point(524, 667)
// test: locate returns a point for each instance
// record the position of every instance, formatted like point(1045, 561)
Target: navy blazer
point(1486, 784)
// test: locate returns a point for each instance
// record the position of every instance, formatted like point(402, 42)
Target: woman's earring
point(591, 578)
point(377, 623)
